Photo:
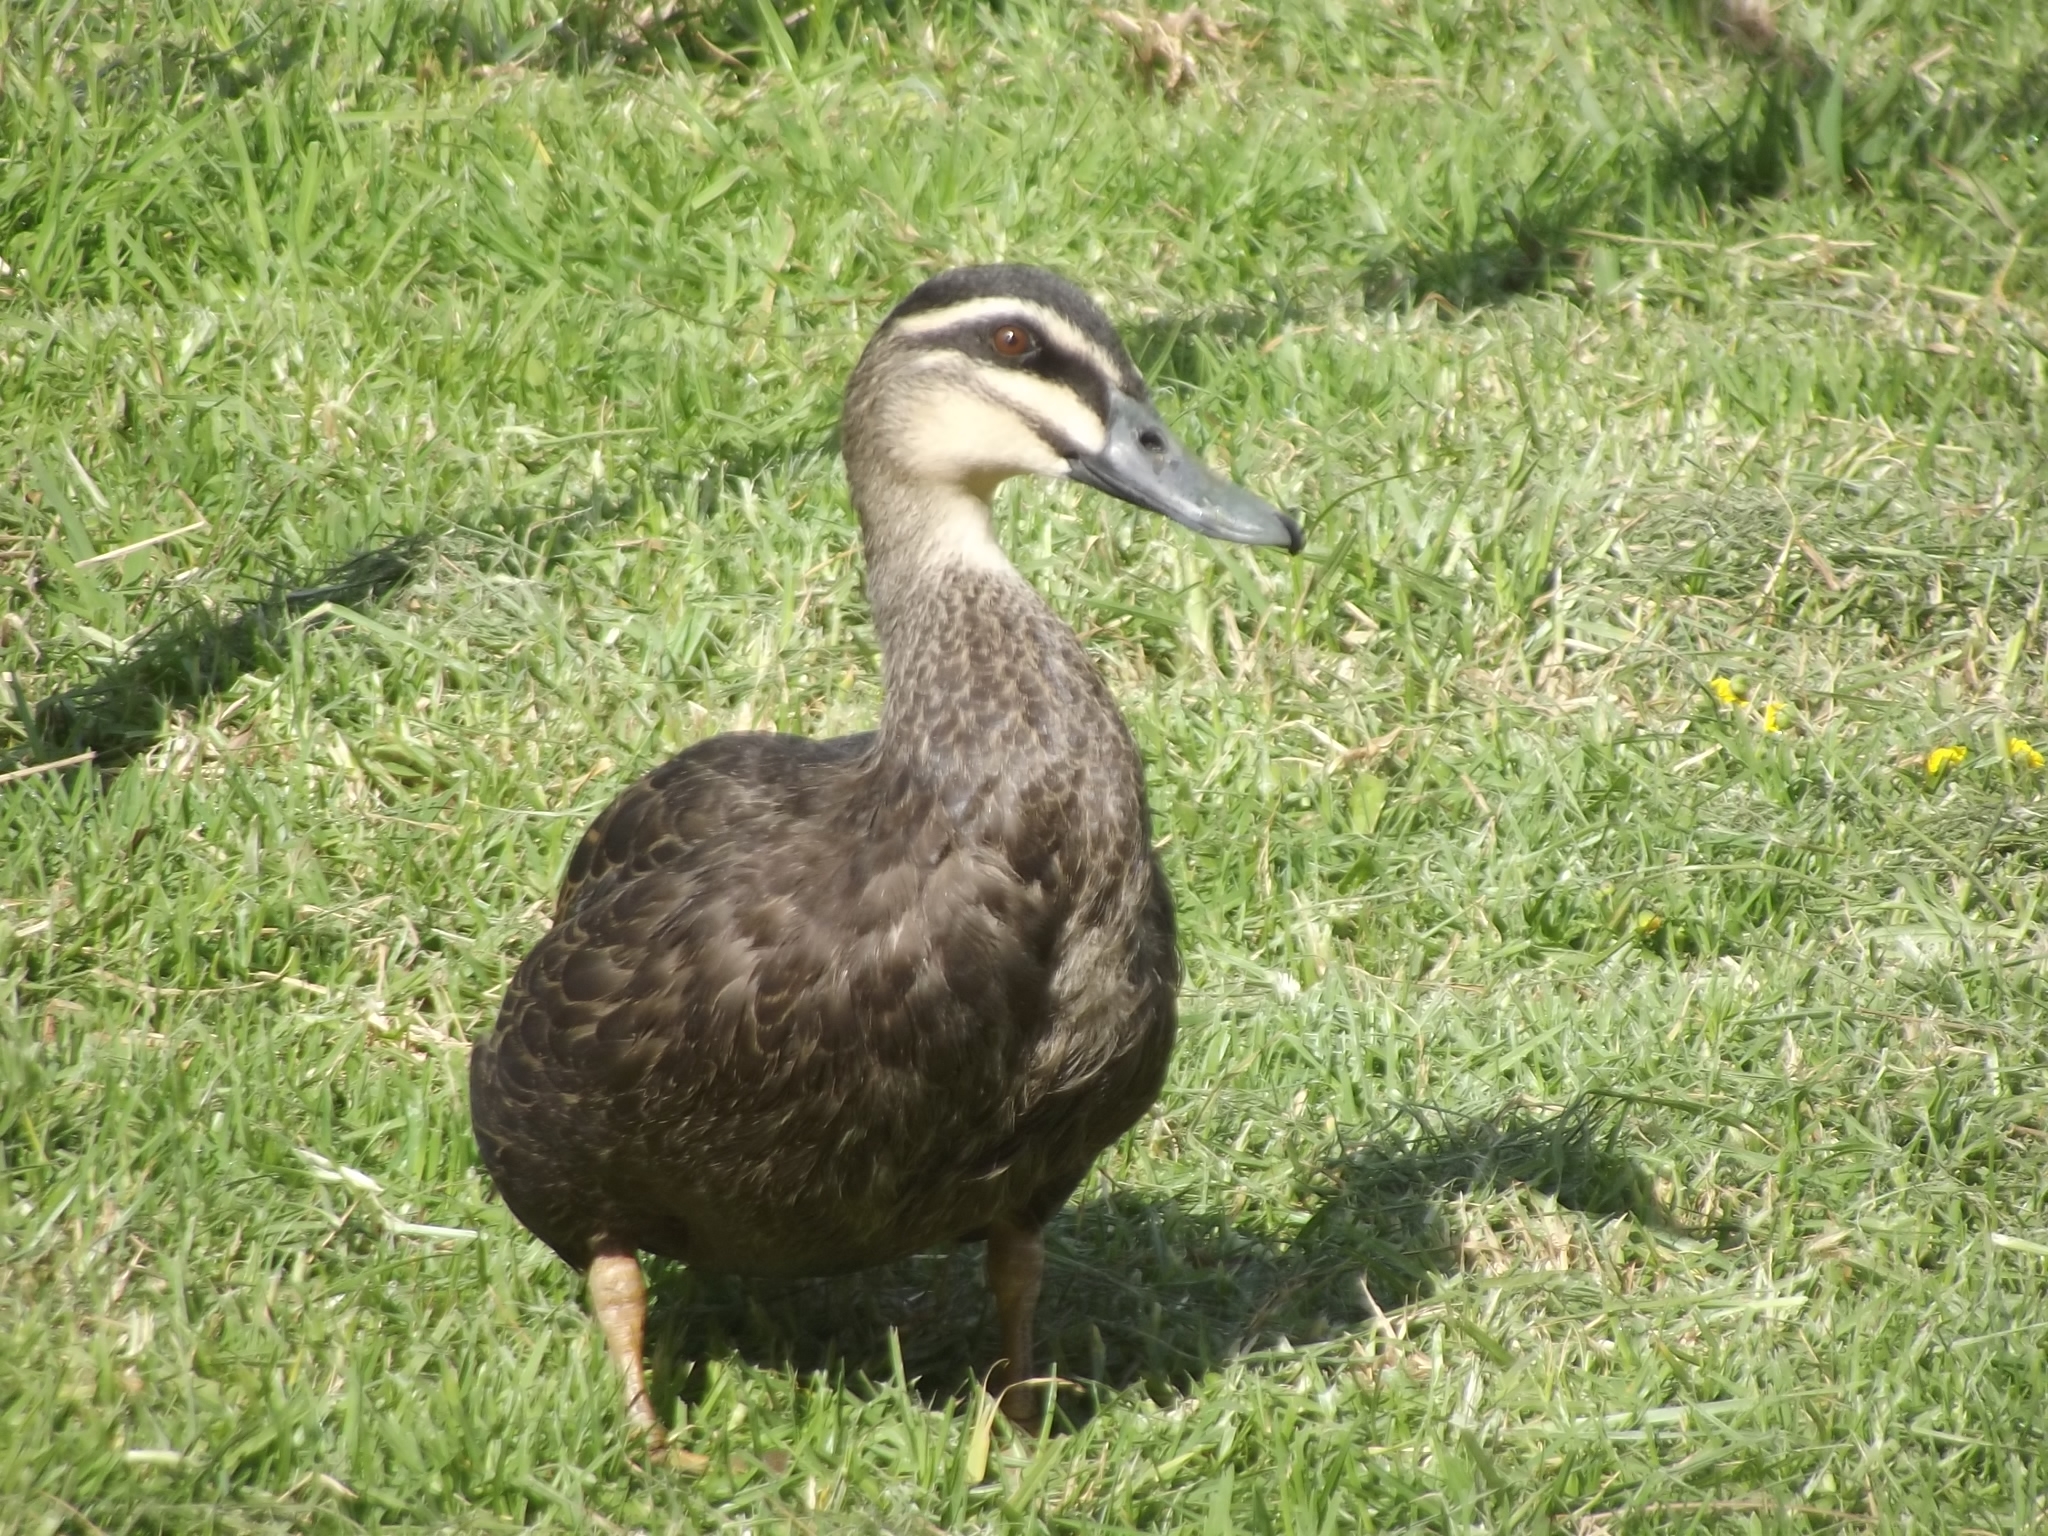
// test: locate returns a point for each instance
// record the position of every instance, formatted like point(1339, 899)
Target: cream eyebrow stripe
point(1051, 323)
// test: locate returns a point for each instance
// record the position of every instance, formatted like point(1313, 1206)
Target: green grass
point(1594, 1111)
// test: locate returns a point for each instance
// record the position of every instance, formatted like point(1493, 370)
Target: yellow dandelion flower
point(2024, 753)
point(1941, 759)
point(1648, 923)
point(1731, 697)
point(1773, 710)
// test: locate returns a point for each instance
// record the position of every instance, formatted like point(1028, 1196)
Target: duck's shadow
point(1144, 1292)
point(199, 652)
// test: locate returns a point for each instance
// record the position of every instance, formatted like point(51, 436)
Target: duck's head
point(984, 373)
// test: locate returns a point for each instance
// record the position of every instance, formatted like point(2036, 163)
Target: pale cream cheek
point(962, 439)
point(1054, 404)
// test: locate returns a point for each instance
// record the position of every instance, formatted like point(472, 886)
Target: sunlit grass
point(1611, 859)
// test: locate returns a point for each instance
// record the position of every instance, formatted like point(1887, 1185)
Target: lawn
point(1612, 860)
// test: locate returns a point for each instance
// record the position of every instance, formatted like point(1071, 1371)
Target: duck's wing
point(780, 1052)
point(706, 792)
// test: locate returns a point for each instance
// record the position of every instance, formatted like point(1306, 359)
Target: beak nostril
point(1151, 441)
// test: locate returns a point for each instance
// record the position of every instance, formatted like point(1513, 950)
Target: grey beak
point(1145, 464)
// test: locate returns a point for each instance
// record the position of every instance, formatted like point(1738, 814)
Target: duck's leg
point(1016, 1264)
point(618, 1295)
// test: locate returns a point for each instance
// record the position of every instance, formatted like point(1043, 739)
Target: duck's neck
point(986, 691)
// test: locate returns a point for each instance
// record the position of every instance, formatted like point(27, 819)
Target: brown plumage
point(811, 1006)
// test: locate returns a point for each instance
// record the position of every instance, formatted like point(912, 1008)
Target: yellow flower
point(2024, 753)
point(1648, 923)
point(1772, 710)
point(1941, 759)
point(1731, 697)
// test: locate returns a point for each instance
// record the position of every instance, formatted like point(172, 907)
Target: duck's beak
point(1143, 463)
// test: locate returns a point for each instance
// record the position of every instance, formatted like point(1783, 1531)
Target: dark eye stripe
point(1048, 360)
point(1082, 377)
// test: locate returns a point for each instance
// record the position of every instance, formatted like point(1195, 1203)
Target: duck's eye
point(1011, 340)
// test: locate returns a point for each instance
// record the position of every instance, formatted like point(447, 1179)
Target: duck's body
point(811, 1006)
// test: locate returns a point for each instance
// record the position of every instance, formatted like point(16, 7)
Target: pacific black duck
point(811, 1006)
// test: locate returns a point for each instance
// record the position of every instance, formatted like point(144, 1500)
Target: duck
point(812, 1006)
